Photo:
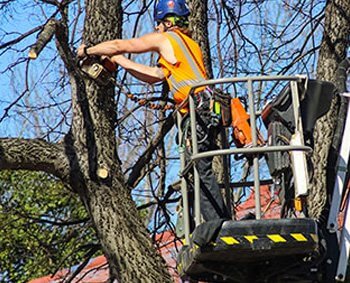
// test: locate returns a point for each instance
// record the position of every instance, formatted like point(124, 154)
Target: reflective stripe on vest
point(185, 51)
point(187, 71)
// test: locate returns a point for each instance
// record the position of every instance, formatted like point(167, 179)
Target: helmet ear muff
point(178, 21)
point(181, 22)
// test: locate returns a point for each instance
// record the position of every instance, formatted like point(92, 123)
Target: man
point(181, 65)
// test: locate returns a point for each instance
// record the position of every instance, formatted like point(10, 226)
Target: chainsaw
point(99, 69)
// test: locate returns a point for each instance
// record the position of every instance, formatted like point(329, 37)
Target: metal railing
point(253, 151)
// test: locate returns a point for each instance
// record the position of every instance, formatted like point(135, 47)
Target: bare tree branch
point(33, 154)
point(146, 156)
point(20, 38)
point(43, 38)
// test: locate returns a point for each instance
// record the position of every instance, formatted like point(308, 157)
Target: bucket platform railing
point(254, 151)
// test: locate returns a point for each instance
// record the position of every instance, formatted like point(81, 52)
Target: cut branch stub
point(102, 172)
point(43, 38)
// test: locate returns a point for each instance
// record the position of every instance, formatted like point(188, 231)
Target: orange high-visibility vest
point(189, 68)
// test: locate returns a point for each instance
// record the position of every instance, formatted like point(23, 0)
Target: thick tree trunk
point(123, 237)
point(335, 41)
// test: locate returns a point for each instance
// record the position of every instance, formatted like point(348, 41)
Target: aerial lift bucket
point(227, 250)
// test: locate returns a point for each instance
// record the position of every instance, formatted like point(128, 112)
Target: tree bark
point(35, 155)
point(335, 41)
point(199, 29)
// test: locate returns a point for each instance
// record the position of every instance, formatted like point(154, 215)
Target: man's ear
point(168, 24)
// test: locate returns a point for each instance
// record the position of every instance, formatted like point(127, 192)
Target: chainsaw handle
point(108, 63)
point(87, 60)
point(80, 61)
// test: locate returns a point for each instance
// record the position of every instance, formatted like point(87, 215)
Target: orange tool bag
point(242, 132)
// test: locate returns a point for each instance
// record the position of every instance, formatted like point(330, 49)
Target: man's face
point(160, 26)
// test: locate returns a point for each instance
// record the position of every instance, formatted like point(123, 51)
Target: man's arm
point(146, 43)
point(141, 72)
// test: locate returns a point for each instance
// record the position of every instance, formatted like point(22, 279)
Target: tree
point(333, 51)
point(88, 147)
point(90, 128)
point(40, 233)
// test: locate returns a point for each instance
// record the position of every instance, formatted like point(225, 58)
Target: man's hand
point(81, 52)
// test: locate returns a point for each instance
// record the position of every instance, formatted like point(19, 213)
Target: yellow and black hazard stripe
point(249, 239)
point(274, 238)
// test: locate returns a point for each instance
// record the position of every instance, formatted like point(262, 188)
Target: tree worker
point(180, 64)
